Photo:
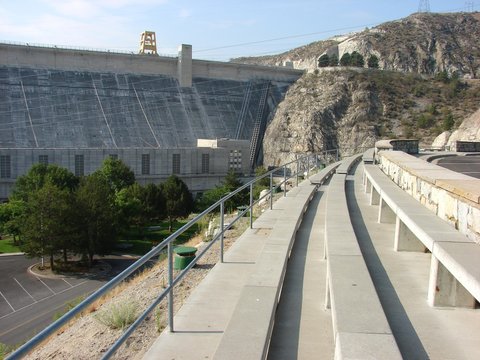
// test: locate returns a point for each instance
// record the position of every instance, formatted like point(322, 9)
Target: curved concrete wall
point(454, 197)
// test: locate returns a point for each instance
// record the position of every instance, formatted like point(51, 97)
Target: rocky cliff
point(424, 43)
point(350, 109)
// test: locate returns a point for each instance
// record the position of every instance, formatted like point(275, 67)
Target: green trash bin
point(184, 256)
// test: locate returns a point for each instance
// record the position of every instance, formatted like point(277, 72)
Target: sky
point(216, 29)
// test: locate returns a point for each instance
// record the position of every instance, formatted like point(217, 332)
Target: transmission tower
point(469, 6)
point(424, 6)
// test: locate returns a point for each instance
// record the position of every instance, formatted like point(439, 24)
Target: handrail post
point(308, 166)
point(284, 180)
point(170, 282)
point(222, 211)
point(251, 206)
point(298, 169)
point(271, 190)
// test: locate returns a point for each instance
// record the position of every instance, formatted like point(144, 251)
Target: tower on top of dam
point(148, 43)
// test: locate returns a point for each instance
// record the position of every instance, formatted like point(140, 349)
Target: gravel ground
point(88, 338)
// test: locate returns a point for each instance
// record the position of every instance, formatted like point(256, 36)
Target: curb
point(12, 254)
point(62, 276)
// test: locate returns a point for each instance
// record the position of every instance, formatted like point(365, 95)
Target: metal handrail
point(310, 160)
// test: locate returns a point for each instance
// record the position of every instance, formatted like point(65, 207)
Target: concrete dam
point(74, 108)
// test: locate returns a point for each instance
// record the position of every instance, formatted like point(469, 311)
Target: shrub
point(356, 59)
point(345, 60)
point(118, 316)
point(333, 60)
point(448, 122)
point(424, 121)
point(323, 61)
point(373, 62)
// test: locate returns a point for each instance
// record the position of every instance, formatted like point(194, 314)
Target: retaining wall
point(454, 197)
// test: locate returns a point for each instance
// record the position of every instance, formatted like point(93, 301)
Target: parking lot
point(468, 165)
point(28, 303)
point(22, 289)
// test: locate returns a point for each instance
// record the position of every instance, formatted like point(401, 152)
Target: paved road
point(468, 165)
point(28, 303)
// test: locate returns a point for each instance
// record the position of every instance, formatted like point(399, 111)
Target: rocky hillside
point(469, 130)
point(350, 109)
point(424, 43)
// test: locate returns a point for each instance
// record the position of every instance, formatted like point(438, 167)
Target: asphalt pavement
point(28, 303)
point(468, 165)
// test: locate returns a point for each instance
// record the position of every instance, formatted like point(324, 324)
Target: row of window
point(235, 163)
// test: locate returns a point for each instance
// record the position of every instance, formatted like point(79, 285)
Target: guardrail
point(79, 48)
point(301, 166)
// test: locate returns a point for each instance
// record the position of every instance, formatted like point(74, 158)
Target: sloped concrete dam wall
point(42, 108)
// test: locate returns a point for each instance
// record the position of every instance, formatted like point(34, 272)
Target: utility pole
point(424, 6)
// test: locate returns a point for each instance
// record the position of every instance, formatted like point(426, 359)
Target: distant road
point(28, 303)
point(468, 165)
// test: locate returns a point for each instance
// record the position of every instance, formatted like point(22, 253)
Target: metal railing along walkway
point(294, 169)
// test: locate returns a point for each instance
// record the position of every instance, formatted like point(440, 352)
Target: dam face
point(59, 106)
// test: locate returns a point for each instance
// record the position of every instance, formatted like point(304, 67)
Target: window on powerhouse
point(145, 164)
point(176, 163)
point(5, 167)
point(79, 165)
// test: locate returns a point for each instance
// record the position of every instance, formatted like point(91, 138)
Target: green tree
point(96, 216)
point(262, 184)
point(178, 199)
point(210, 197)
point(44, 228)
point(153, 202)
point(345, 60)
point(118, 175)
point(38, 175)
point(131, 211)
point(356, 59)
point(333, 60)
point(11, 214)
point(323, 61)
point(373, 62)
point(231, 181)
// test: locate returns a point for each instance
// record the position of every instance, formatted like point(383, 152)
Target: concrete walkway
point(202, 322)
point(303, 328)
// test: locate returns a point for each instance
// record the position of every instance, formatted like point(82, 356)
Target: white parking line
point(48, 287)
point(39, 301)
point(25, 290)
point(7, 302)
point(67, 283)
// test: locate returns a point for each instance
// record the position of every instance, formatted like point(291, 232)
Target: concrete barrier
point(454, 272)
point(360, 327)
point(452, 196)
point(348, 163)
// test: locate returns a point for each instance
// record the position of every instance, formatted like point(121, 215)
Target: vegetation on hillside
point(419, 107)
